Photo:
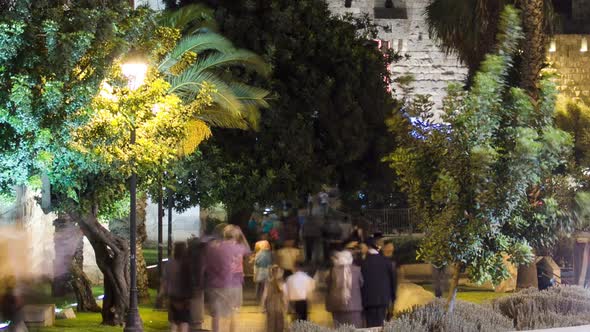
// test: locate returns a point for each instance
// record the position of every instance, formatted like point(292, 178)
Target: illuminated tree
point(470, 179)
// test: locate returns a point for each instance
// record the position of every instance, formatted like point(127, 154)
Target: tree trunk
point(112, 257)
point(527, 276)
point(142, 274)
point(68, 264)
point(452, 297)
point(65, 230)
point(534, 45)
point(80, 282)
point(584, 270)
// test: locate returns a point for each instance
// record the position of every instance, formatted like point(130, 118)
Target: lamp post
point(135, 74)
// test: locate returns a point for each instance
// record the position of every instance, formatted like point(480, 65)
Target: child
point(274, 300)
point(262, 262)
point(300, 287)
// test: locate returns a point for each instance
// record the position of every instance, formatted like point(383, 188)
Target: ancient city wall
point(572, 65)
point(432, 69)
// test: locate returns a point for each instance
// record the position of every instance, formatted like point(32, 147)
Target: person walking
point(324, 199)
point(224, 274)
point(332, 237)
point(300, 287)
point(312, 235)
point(176, 283)
point(344, 299)
point(379, 286)
point(262, 263)
point(196, 256)
point(287, 257)
point(274, 300)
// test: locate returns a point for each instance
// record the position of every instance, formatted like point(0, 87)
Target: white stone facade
point(184, 225)
point(432, 69)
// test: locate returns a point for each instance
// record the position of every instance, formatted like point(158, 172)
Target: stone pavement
point(252, 319)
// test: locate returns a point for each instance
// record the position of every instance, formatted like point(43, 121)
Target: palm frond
point(189, 19)
point(188, 83)
point(237, 57)
point(196, 43)
point(215, 116)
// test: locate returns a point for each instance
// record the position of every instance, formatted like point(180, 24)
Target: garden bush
point(467, 317)
point(305, 326)
point(555, 307)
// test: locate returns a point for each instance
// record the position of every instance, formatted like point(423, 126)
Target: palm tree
point(468, 29)
point(203, 56)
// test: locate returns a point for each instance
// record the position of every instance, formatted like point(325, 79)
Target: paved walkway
point(252, 319)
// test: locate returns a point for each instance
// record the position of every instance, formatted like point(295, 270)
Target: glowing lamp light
point(135, 72)
point(4, 325)
point(552, 46)
point(584, 46)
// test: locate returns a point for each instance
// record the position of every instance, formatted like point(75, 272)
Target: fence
point(391, 221)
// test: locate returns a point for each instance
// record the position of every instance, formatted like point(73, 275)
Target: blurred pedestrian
point(332, 237)
point(287, 257)
point(324, 199)
point(274, 300)
point(309, 204)
point(300, 289)
point(196, 258)
point(312, 236)
point(224, 274)
point(177, 285)
point(262, 262)
point(11, 305)
point(388, 251)
point(344, 299)
point(379, 285)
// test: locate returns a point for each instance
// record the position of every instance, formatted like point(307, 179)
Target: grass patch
point(471, 294)
point(151, 256)
point(152, 321)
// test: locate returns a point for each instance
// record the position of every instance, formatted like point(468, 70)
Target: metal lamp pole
point(135, 73)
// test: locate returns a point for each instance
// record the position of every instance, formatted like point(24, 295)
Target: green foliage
point(477, 179)
point(555, 307)
point(325, 123)
point(53, 58)
point(203, 56)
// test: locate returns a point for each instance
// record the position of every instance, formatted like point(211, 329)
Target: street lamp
point(135, 73)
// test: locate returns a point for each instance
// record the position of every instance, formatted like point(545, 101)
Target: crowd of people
point(358, 273)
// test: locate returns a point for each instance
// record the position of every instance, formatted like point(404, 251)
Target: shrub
point(467, 317)
point(555, 307)
point(305, 326)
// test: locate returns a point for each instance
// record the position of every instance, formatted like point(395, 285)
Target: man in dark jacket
point(379, 286)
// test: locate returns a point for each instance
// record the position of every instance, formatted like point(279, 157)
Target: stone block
point(39, 315)
point(67, 313)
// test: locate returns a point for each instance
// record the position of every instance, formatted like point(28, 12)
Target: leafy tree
point(468, 28)
point(470, 179)
point(325, 124)
point(53, 57)
point(91, 175)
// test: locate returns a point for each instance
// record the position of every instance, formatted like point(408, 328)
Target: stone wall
point(572, 66)
point(432, 69)
point(34, 229)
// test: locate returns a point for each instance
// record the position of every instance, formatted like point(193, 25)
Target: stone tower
point(403, 28)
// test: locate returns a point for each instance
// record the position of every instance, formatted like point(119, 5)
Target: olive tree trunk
point(453, 288)
point(112, 257)
point(80, 282)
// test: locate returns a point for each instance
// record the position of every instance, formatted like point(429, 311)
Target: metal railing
point(391, 221)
